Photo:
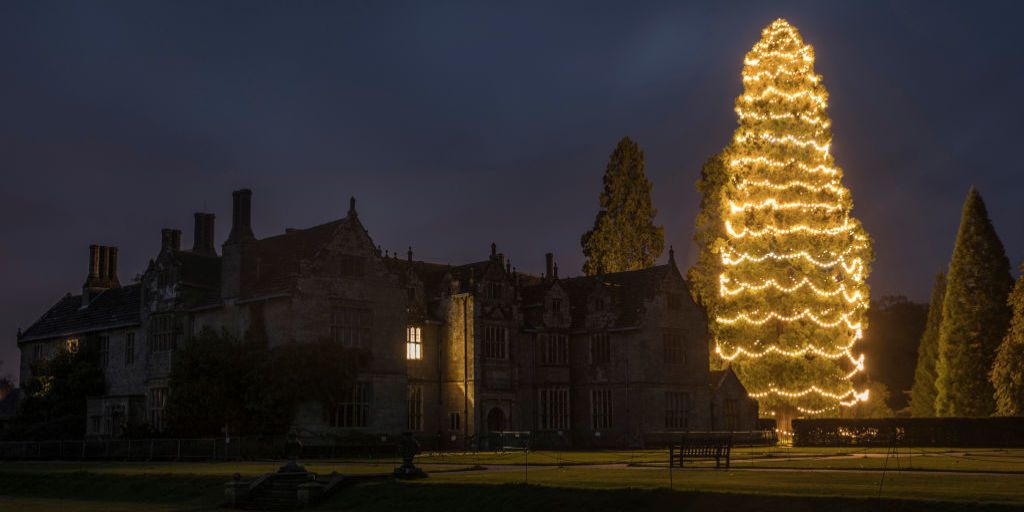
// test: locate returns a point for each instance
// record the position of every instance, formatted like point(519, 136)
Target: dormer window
point(556, 305)
point(674, 301)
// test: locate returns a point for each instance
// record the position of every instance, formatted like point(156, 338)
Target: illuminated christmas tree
point(792, 297)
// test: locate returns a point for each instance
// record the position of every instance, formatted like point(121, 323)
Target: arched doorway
point(495, 420)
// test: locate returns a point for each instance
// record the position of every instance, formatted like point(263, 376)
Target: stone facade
point(458, 352)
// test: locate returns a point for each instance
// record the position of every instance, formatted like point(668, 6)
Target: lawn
point(807, 480)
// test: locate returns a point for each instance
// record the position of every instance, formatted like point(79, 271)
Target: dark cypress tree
point(975, 315)
point(708, 232)
point(1007, 374)
point(624, 236)
point(922, 395)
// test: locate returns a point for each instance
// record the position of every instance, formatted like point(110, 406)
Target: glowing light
point(785, 182)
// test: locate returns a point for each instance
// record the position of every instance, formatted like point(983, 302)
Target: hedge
point(946, 432)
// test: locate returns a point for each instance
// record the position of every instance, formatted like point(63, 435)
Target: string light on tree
point(792, 293)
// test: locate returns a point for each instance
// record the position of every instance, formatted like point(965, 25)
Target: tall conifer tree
point(1008, 369)
point(922, 395)
point(792, 297)
point(624, 236)
point(975, 315)
point(709, 230)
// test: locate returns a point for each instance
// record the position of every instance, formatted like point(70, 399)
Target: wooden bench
point(706, 446)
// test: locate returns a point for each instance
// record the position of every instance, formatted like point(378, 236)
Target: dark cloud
point(457, 124)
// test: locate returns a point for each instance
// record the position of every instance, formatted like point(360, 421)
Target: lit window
point(413, 343)
point(71, 344)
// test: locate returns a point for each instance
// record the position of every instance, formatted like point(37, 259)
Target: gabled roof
point(111, 308)
point(430, 274)
point(630, 290)
point(198, 270)
point(279, 256)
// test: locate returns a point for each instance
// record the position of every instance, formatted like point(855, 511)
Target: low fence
point(1002, 432)
point(192, 449)
point(739, 438)
point(370, 447)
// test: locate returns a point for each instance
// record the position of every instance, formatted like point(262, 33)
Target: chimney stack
point(241, 216)
point(112, 280)
point(93, 279)
point(170, 239)
point(102, 272)
point(549, 265)
point(203, 234)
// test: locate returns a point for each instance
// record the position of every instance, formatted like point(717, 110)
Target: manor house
point(456, 350)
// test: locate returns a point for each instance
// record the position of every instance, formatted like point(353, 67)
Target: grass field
point(838, 480)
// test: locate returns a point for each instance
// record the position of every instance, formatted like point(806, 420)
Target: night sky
point(459, 124)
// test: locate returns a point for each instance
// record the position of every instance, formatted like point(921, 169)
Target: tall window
point(601, 409)
point(554, 349)
point(600, 348)
point(129, 348)
point(493, 290)
point(556, 305)
point(37, 352)
point(350, 326)
point(495, 342)
point(413, 343)
point(677, 410)
point(672, 339)
point(163, 333)
point(553, 408)
point(415, 408)
point(454, 421)
point(674, 301)
point(71, 345)
point(157, 402)
point(353, 410)
point(732, 413)
point(104, 351)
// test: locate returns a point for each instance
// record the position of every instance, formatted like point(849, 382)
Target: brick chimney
point(241, 216)
point(203, 234)
point(93, 278)
point(112, 280)
point(234, 250)
point(549, 266)
point(170, 239)
point(102, 272)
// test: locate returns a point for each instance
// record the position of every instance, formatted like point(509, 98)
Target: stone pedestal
point(309, 493)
